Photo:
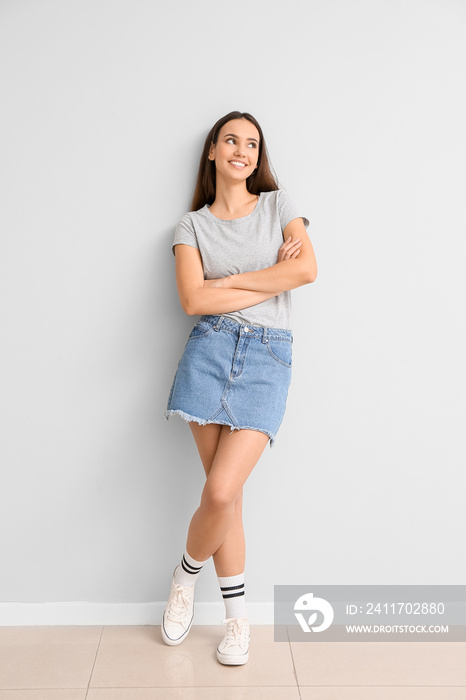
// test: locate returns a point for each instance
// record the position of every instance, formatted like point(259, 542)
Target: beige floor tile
point(44, 694)
point(136, 656)
point(374, 693)
point(380, 663)
point(75, 634)
point(194, 694)
point(47, 657)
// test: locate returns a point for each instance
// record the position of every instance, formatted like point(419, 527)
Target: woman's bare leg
point(235, 457)
point(230, 557)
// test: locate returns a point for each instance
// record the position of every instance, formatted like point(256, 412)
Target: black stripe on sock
point(232, 588)
point(233, 595)
point(188, 568)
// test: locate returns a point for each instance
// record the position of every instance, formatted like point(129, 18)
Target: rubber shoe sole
point(232, 659)
point(174, 642)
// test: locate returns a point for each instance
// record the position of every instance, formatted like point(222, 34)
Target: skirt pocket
point(281, 351)
point(200, 330)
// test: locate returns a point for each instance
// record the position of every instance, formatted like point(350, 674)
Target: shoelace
point(237, 632)
point(178, 608)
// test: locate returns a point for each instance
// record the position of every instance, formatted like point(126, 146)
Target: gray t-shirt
point(250, 243)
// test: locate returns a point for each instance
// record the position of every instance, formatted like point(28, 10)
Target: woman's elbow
point(312, 274)
point(188, 306)
point(191, 310)
point(190, 299)
point(309, 274)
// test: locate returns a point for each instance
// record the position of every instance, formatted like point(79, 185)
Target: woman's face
point(237, 149)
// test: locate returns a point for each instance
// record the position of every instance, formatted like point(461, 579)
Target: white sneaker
point(233, 650)
point(178, 615)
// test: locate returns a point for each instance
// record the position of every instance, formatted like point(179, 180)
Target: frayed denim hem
point(202, 421)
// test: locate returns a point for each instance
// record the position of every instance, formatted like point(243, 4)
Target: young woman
point(239, 252)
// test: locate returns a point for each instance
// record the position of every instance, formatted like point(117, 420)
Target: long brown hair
point(261, 180)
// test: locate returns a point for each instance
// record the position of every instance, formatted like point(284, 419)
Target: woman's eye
point(254, 145)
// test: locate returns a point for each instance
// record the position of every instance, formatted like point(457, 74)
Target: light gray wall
point(105, 106)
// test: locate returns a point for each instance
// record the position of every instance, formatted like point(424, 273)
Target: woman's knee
point(217, 497)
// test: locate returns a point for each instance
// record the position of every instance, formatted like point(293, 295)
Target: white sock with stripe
point(232, 590)
point(189, 569)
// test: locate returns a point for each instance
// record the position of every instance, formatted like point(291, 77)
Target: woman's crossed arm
point(288, 273)
point(296, 266)
point(197, 298)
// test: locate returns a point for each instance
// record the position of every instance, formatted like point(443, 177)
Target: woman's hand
point(290, 249)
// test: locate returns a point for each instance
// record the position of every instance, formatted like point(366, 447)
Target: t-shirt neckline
point(238, 218)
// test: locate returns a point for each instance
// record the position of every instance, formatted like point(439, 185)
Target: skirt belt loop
point(218, 323)
point(264, 335)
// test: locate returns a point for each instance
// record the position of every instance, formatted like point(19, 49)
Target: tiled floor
point(133, 663)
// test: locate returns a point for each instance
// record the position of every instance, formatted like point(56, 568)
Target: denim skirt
point(233, 374)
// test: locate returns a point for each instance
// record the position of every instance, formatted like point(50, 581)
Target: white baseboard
point(34, 614)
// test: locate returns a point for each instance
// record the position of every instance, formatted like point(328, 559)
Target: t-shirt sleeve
point(288, 209)
point(185, 233)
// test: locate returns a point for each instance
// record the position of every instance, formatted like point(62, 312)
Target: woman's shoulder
point(277, 199)
point(185, 220)
point(191, 216)
point(279, 195)
point(271, 195)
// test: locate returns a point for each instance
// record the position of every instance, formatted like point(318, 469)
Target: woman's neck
point(232, 199)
